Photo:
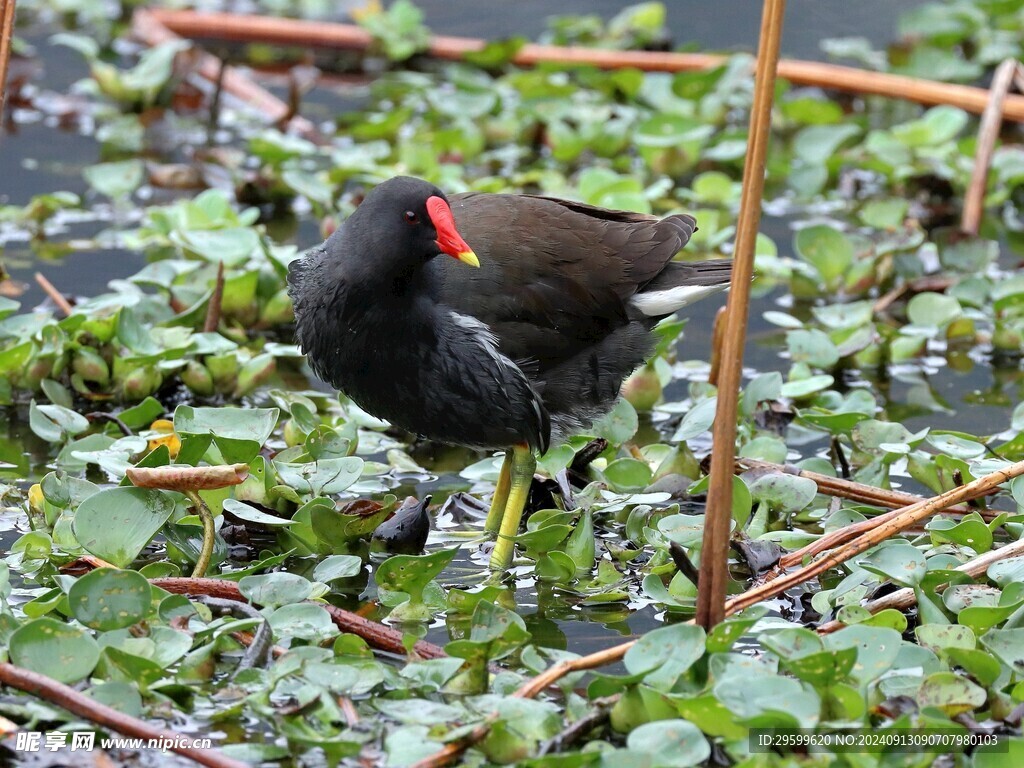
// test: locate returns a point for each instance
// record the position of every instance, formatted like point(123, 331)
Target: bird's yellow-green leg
point(500, 497)
point(521, 475)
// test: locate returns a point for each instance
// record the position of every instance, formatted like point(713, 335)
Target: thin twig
point(348, 709)
point(451, 751)
point(840, 455)
point(318, 34)
point(852, 490)
point(902, 599)
point(683, 563)
point(216, 298)
point(90, 709)
point(988, 132)
point(933, 283)
point(214, 112)
point(56, 296)
point(714, 562)
point(104, 416)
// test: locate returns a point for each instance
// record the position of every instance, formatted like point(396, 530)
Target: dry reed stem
point(898, 522)
point(56, 296)
point(216, 300)
point(716, 346)
point(902, 599)
point(318, 34)
point(988, 132)
point(714, 562)
point(6, 36)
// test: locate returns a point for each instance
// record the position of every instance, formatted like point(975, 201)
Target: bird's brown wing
point(555, 276)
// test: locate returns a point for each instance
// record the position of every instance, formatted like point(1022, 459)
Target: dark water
point(721, 25)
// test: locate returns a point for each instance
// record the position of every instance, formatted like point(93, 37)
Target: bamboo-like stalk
point(717, 329)
point(902, 599)
point(714, 560)
point(319, 34)
point(988, 132)
point(6, 36)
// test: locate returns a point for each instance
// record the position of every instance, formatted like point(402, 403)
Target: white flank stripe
point(668, 301)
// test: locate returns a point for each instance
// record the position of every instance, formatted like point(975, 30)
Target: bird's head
point(409, 219)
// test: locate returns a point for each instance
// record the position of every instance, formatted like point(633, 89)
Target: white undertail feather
point(658, 303)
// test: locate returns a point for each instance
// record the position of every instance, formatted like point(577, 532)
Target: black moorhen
point(522, 351)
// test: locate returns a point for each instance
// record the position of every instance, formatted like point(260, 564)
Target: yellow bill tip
point(468, 257)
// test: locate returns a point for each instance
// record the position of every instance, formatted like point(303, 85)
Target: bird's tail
point(681, 284)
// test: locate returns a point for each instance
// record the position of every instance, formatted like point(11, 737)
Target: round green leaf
point(273, 589)
point(951, 693)
point(116, 523)
point(107, 599)
point(55, 649)
point(305, 621)
point(902, 563)
point(675, 743)
point(933, 309)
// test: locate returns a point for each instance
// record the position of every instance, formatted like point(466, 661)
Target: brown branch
point(148, 28)
point(902, 599)
point(216, 299)
point(83, 706)
point(318, 34)
point(6, 36)
point(376, 635)
point(988, 132)
point(56, 296)
point(185, 478)
point(714, 561)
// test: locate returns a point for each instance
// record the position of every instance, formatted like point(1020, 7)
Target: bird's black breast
point(407, 359)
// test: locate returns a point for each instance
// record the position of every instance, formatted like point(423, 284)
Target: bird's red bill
point(448, 238)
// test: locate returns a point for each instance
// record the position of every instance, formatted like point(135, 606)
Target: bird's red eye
point(411, 217)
